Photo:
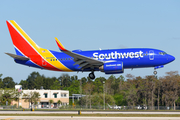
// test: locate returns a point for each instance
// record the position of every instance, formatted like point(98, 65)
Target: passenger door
point(151, 55)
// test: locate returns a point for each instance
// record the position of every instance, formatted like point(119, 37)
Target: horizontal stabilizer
point(18, 57)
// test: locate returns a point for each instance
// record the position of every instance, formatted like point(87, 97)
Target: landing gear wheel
point(155, 72)
point(91, 75)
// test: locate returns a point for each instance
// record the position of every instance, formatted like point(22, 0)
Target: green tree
point(110, 84)
point(56, 85)
point(8, 82)
point(88, 88)
point(115, 85)
point(1, 82)
point(143, 88)
point(16, 95)
point(32, 97)
point(131, 95)
point(108, 99)
point(170, 87)
point(89, 79)
point(31, 79)
point(65, 80)
point(39, 81)
point(24, 84)
point(74, 77)
point(74, 88)
point(48, 82)
point(98, 99)
point(83, 80)
point(120, 100)
point(98, 85)
point(6, 95)
point(151, 80)
point(121, 82)
point(59, 102)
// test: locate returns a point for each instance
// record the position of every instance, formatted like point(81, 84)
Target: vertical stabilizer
point(23, 44)
point(26, 47)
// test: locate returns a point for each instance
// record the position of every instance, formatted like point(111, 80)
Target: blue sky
point(90, 25)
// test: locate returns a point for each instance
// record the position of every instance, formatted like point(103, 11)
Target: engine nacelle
point(112, 68)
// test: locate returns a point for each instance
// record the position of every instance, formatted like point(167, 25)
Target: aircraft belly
point(137, 63)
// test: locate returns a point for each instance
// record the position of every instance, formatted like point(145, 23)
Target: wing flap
point(82, 65)
point(78, 62)
point(79, 59)
point(18, 57)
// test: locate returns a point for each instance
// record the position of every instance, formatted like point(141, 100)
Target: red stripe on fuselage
point(27, 49)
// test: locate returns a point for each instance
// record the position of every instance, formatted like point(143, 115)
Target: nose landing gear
point(91, 75)
point(155, 72)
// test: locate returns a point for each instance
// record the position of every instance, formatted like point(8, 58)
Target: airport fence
point(121, 107)
point(3, 107)
point(99, 107)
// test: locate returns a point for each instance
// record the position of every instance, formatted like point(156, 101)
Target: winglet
point(61, 47)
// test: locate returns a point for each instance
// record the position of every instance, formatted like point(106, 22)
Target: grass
point(97, 115)
point(111, 110)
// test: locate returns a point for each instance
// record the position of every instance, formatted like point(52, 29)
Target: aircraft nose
point(171, 58)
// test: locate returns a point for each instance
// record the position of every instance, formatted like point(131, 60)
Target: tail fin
point(27, 49)
point(23, 44)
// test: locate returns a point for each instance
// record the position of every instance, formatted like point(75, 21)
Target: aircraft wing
point(18, 57)
point(82, 61)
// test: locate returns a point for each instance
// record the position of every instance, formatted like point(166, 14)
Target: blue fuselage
point(131, 58)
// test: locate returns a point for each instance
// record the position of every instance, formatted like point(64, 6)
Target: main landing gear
point(91, 75)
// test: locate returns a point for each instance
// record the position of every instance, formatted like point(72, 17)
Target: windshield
point(162, 53)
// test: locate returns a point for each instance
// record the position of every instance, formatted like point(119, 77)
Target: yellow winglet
point(61, 47)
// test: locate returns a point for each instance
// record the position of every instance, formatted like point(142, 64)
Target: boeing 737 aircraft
point(112, 61)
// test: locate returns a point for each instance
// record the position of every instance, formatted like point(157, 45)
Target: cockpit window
point(162, 53)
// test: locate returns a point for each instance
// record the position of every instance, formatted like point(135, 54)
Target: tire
point(155, 72)
point(91, 75)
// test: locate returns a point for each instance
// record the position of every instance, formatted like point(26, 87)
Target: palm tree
point(51, 101)
point(58, 102)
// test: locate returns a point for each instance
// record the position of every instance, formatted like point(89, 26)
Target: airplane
point(111, 61)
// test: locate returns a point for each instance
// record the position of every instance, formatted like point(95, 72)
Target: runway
point(68, 115)
point(87, 118)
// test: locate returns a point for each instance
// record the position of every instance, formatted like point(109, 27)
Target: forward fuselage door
point(151, 55)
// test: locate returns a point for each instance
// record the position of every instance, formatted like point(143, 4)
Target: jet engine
point(112, 67)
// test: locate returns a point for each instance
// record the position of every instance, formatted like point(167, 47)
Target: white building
point(45, 97)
